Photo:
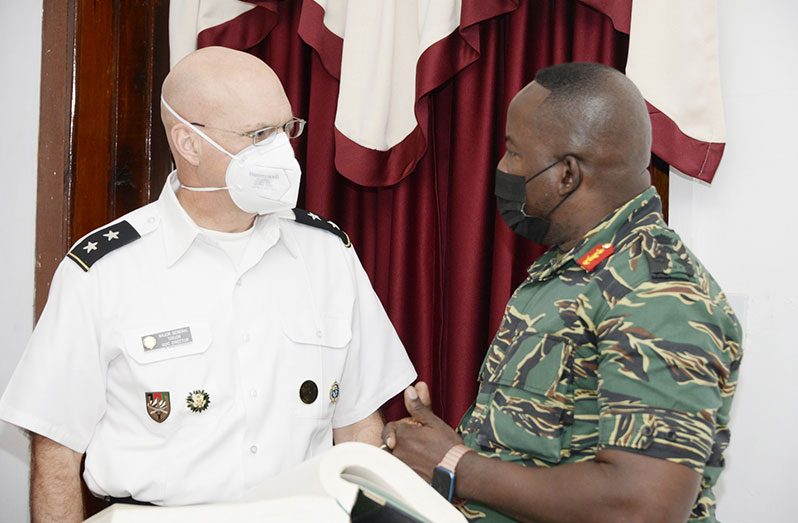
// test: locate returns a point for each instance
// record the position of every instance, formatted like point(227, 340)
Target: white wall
point(20, 51)
point(745, 230)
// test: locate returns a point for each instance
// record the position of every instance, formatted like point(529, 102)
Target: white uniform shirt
point(170, 312)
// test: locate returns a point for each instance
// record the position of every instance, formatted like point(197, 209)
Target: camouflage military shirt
point(623, 342)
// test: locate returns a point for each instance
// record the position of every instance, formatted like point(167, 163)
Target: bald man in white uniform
point(205, 342)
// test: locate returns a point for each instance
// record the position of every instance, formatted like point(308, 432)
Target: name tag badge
point(166, 339)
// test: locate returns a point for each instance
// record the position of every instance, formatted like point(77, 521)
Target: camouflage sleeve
point(668, 354)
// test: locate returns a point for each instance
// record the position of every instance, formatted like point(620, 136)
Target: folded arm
point(616, 486)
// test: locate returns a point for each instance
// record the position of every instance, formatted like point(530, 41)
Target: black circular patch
point(308, 392)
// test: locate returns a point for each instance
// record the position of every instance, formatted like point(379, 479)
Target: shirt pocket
point(318, 356)
point(530, 403)
point(173, 384)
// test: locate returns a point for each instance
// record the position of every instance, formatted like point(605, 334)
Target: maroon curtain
point(441, 260)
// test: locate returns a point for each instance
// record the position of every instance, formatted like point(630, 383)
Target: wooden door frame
point(98, 157)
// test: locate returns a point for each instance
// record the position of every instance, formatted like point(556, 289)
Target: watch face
point(443, 482)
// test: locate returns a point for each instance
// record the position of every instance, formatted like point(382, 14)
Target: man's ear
point(186, 143)
point(571, 175)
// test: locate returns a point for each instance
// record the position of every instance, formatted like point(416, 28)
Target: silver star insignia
point(112, 235)
point(333, 225)
point(90, 246)
point(313, 216)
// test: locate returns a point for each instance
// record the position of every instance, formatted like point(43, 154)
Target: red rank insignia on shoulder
point(597, 254)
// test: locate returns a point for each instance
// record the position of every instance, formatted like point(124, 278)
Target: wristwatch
point(443, 475)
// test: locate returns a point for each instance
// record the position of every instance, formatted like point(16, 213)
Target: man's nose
point(502, 165)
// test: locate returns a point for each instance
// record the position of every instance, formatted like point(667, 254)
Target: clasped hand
point(422, 439)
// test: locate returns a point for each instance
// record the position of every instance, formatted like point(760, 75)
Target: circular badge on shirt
point(308, 392)
point(198, 400)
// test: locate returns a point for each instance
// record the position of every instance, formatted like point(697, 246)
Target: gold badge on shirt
point(198, 400)
point(158, 405)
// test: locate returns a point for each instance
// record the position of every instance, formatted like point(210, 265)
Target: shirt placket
point(247, 343)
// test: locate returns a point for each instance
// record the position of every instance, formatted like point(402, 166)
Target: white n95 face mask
point(261, 179)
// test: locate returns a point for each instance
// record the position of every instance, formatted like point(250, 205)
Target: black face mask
point(510, 194)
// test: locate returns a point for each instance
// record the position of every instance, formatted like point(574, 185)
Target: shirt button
point(253, 393)
point(253, 449)
point(150, 219)
point(318, 334)
point(245, 337)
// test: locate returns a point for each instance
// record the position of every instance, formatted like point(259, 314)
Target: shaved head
point(221, 87)
point(597, 113)
point(584, 128)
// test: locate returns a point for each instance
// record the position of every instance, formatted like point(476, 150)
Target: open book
point(350, 482)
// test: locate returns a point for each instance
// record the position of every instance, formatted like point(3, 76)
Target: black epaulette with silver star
point(99, 243)
point(314, 220)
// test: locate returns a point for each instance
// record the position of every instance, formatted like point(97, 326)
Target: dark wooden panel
point(142, 158)
point(659, 178)
point(131, 168)
point(160, 155)
point(103, 151)
point(94, 125)
point(55, 142)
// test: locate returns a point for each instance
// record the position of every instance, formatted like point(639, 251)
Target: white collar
point(180, 231)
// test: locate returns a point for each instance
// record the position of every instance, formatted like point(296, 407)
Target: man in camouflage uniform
point(611, 377)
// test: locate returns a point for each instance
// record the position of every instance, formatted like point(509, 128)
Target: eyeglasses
point(293, 128)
